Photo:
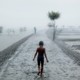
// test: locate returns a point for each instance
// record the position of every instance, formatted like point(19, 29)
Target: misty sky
point(30, 13)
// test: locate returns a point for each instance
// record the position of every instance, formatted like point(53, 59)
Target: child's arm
point(46, 57)
point(35, 55)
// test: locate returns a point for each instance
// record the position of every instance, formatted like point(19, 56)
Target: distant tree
point(21, 30)
point(8, 31)
point(53, 16)
point(13, 31)
point(24, 29)
point(1, 29)
point(49, 25)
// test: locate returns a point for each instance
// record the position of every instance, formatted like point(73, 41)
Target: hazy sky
point(30, 13)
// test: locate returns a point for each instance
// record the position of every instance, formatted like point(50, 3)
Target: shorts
point(40, 61)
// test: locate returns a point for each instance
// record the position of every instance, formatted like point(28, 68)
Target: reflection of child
point(40, 58)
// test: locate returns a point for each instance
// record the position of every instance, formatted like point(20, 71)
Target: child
point(40, 58)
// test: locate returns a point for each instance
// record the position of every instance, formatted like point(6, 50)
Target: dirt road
point(22, 67)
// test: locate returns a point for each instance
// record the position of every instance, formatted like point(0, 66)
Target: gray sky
point(29, 13)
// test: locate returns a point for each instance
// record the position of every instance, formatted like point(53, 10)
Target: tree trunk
point(54, 31)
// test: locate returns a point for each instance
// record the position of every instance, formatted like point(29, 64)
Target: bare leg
point(38, 70)
point(42, 70)
point(38, 67)
point(42, 66)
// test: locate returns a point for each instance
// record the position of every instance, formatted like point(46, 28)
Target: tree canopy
point(53, 15)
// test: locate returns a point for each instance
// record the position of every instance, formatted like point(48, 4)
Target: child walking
point(40, 57)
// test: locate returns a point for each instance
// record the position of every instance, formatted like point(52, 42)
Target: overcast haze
point(30, 13)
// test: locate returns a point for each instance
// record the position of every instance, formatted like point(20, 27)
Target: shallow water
point(22, 67)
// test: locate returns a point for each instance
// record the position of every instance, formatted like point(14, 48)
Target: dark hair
point(41, 43)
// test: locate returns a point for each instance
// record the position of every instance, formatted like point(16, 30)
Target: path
point(21, 66)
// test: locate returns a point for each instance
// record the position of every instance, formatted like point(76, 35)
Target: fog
point(30, 13)
point(23, 25)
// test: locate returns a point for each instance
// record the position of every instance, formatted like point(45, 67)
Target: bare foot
point(41, 75)
point(38, 73)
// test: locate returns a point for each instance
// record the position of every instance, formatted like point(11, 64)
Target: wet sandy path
point(22, 67)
